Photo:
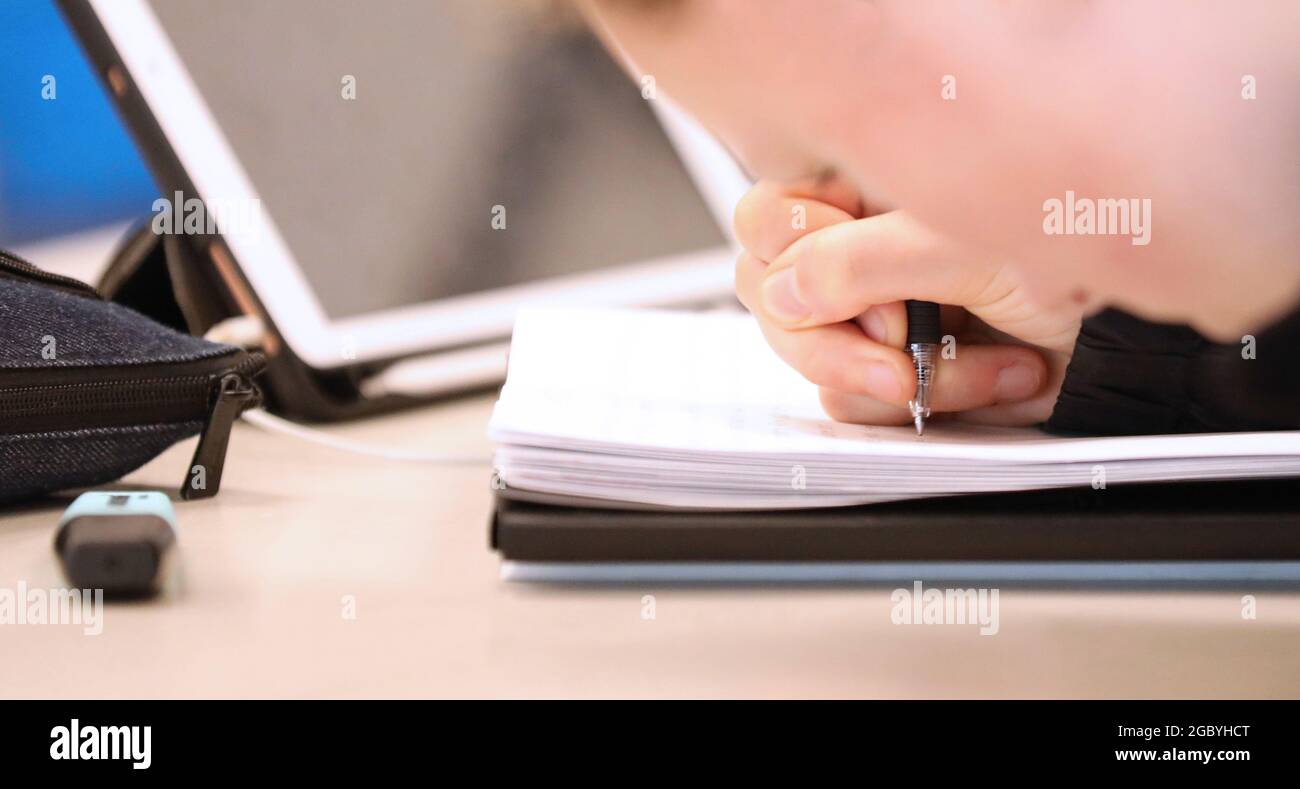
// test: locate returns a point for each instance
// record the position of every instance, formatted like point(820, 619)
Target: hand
point(828, 294)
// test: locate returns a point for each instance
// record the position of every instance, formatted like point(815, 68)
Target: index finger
point(838, 272)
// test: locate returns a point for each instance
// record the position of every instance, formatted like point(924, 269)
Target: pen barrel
point(922, 322)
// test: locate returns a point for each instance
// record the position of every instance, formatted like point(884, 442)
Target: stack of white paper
point(694, 410)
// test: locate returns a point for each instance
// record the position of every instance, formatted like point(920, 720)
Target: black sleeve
point(1128, 376)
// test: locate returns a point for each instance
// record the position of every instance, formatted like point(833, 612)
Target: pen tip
point(920, 424)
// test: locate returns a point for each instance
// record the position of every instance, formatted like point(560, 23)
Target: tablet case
point(1218, 521)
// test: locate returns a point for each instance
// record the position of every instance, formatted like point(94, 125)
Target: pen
point(923, 342)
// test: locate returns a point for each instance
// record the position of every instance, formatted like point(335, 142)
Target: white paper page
point(663, 383)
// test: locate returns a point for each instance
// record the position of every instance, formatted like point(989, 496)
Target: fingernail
point(1017, 382)
point(873, 323)
point(881, 382)
point(781, 297)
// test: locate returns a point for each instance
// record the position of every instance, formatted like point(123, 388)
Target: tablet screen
point(413, 150)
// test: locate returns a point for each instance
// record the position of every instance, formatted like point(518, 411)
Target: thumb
point(838, 272)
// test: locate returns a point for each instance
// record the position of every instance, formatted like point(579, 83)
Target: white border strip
point(984, 573)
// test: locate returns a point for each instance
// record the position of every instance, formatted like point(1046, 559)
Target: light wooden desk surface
point(296, 528)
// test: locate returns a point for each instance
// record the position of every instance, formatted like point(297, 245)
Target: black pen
point(923, 342)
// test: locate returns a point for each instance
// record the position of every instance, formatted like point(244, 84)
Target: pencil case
point(91, 390)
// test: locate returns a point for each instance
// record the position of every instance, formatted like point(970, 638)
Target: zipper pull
point(204, 477)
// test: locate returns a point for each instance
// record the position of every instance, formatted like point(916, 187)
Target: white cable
point(275, 424)
point(246, 331)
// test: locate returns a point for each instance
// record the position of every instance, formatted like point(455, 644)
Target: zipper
point(211, 389)
point(12, 265)
point(217, 398)
point(234, 394)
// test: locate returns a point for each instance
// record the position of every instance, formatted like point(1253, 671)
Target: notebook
point(653, 409)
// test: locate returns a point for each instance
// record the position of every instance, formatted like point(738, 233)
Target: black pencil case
point(91, 390)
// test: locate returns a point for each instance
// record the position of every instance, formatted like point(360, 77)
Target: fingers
point(827, 187)
point(861, 410)
point(767, 226)
point(867, 381)
point(831, 306)
point(772, 214)
point(885, 323)
point(840, 356)
point(993, 384)
point(987, 375)
point(836, 273)
point(848, 358)
point(1029, 411)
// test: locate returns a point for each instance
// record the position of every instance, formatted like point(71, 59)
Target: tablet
point(395, 178)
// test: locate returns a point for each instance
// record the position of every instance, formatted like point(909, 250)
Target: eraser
point(117, 541)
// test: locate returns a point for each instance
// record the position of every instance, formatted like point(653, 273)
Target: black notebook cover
point(1203, 521)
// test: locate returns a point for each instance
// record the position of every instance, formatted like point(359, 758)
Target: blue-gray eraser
point(117, 541)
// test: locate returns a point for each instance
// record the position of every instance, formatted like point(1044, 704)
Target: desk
point(266, 565)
